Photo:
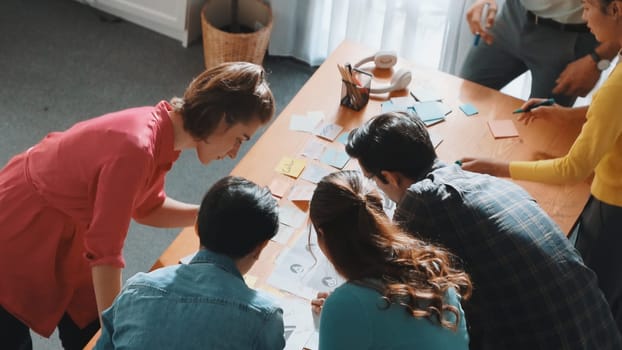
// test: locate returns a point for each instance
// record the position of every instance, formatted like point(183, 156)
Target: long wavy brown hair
point(363, 244)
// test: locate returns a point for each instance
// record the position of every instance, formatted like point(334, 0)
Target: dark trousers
point(519, 46)
point(14, 335)
point(600, 243)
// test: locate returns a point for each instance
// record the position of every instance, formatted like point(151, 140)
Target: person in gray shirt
point(547, 37)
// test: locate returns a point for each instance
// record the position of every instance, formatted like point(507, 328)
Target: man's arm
point(581, 75)
point(479, 25)
point(608, 50)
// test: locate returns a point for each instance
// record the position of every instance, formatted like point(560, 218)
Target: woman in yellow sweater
point(597, 149)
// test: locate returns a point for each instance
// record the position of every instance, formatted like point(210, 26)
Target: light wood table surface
point(462, 136)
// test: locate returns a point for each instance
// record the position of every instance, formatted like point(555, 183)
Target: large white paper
point(301, 328)
point(303, 270)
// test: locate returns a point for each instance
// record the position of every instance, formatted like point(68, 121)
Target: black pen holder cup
point(356, 96)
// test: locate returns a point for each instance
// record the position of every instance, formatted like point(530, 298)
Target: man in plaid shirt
point(531, 288)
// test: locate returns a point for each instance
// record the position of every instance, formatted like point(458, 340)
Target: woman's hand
point(555, 112)
point(106, 284)
point(486, 166)
point(318, 302)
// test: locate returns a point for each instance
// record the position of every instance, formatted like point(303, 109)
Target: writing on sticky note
point(328, 131)
point(468, 109)
point(502, 128)
point(335, 158)
point(290, 166)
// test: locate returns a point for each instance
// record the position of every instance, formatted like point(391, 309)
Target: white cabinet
point(178, 19)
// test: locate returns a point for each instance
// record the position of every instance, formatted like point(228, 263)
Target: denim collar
point(205, 256)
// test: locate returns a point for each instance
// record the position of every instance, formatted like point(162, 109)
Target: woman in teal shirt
point(401, 293)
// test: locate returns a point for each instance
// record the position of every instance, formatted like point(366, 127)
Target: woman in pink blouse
point(66, 203)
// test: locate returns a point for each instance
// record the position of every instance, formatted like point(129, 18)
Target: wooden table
point(462, 136)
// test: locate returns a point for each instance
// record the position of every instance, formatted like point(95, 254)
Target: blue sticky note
point(343, 138)
point(431, 122)
point(469, 109)
point(428, 111)
point(335, 158)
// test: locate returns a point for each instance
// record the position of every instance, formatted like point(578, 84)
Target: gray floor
point(60, 63)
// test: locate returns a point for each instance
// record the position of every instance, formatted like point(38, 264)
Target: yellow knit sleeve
point(602, 128)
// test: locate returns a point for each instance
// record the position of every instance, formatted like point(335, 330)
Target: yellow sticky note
point(290, 166)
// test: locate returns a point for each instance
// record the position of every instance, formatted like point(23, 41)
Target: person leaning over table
point(531, 290)
point(401, 293)
point(598, 150)
point(205, 304)
point(66, 202)
point(546, 37)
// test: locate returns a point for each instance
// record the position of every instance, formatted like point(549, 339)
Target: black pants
point(14, 335)
point(600, 244)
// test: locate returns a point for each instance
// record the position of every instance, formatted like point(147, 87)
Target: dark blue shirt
point(531, 289)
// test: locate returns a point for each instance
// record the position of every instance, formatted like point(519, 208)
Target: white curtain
point(432, 33)
point(424, 31)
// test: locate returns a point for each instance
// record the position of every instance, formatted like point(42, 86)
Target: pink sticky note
point(280, 185)
point(301, 192)
point(502, 128)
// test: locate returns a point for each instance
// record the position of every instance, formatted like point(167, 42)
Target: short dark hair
point(236, 91)
point(393, 141)
point(236, 215)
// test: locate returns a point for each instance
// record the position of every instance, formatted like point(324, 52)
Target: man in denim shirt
point(205, 304)
point(531, 290)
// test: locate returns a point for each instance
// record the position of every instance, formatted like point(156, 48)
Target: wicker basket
point(220, 46)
